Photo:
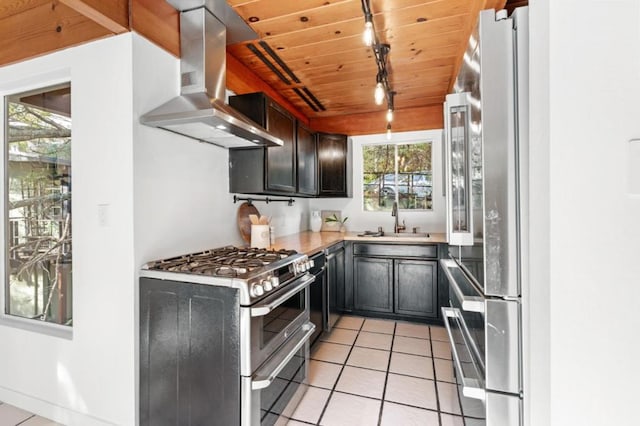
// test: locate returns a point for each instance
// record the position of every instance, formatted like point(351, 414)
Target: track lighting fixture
point(381, 52)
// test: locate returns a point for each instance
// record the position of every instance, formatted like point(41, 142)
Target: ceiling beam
point(112, 15)
point(43, 29)
point(419, 118)
point(157, 21)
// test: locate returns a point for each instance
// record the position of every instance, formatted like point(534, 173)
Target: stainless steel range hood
point(200, 111)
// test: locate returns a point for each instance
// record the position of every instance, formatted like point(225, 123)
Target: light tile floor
point(372, 372)
point(12, 416)
point(366, 372)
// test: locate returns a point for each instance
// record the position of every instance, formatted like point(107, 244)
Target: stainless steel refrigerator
point(486, 128)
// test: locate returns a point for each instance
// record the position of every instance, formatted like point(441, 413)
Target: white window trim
point(9, 88)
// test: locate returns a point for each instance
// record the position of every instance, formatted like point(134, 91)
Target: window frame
point(7, 89)
point(396, 143)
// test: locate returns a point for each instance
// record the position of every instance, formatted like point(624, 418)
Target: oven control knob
point(309, 264)
point(312, 263)
point(275, 281)
point(257, 290)
point(266, 284)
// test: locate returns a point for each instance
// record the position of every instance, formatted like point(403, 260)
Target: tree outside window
point(38, 281)
point(397, 172)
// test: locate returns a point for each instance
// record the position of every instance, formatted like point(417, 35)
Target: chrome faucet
point(394, 212)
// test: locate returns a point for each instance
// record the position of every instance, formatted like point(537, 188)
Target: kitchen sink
point(407, 234)
point(392, 234)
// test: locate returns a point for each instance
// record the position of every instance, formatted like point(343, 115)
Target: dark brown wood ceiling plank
point(110, 14)
point(159, 22)
point(43, 29)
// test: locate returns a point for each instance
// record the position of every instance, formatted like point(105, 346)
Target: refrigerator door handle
point(457, 110)
point(469, 303)
point(471, 387)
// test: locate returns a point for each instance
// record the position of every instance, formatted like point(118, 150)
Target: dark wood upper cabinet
point(307, 165)
point(277, 173)
point(307, 161)
point(333, 165)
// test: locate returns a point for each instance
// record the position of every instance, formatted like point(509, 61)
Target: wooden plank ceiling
point(320, 41)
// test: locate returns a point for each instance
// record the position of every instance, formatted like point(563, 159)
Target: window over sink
point(37, 205)
point(399, 172)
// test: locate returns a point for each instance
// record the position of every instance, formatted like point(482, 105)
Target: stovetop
point(257, 273)
point(222, 262)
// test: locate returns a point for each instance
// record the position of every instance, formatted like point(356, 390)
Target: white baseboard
point(51, 411)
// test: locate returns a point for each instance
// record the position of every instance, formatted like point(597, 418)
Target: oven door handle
point(273, 367)
point(471, 387)
point(263, 309)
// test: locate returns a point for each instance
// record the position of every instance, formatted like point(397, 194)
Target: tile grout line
point(333, 390)
point(435, 377)
point(386, 376)
point(25, 420)
point(326, 404)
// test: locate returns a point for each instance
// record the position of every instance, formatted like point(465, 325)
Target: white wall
point(89, 378)
point(182, 200)
point(181, 194)
point(359, 220)
point(593, 227)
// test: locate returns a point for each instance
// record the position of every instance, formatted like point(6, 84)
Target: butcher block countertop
point(312, 242)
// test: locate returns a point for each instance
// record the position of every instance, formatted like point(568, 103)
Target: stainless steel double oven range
point(486, 127)
point(258, 335)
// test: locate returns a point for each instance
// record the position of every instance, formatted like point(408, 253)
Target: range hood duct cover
point(200, 111)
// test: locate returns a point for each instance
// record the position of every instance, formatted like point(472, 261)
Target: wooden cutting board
point(244, 224)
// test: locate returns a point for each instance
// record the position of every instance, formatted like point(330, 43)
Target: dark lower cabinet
point(317, 295)
point(395, 281)
point(373, 284)
point(335, 284)
point(416, 288)
point(189, 354)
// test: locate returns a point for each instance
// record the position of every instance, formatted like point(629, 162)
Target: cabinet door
point(332, 164)
point(188, 347)
point(307, 162)
point(416, 288)
point(281, 161)
point(373, 284)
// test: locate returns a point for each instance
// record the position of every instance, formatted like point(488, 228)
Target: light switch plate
point(633, 167)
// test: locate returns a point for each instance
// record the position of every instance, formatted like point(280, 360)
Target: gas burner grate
point(226, 261)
